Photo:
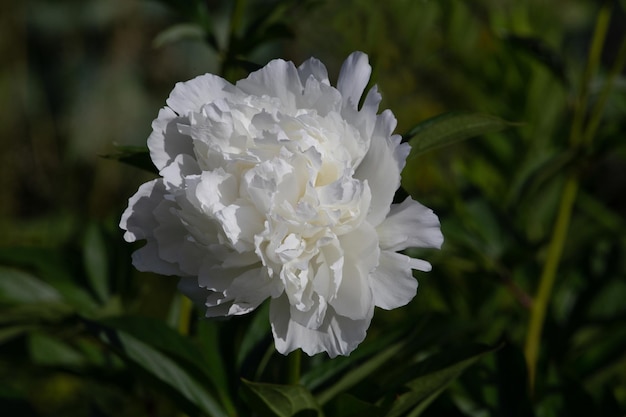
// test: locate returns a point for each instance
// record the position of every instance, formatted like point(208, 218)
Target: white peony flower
point(281, 187)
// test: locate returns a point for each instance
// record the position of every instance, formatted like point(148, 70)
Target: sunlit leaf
point(271, 400)
point(450, 128)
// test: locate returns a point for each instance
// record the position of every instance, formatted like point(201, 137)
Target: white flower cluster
point(281, 187)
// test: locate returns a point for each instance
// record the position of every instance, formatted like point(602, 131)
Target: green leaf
point(258, 329)
point(449, 128)
point(346, 405)
point(137, 156)
point(52, 269)
point(20, 287)
point(159, 336)
point(271, 400)
point(330, 369)
point(9, 333)
point(47, 351)
point(96, 262)
point(438, 372)
point(164, 369)
point(360, 373)
point(179, 32)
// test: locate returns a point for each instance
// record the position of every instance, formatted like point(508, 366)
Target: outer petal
point(140, 223)
point(354, 295)
point(337, 335)
point(166, 142)
point(380, 169)
point(278, 79)
point(392, 282)
point(193, 94)
point(353, 78)
point(410, 225)
point(137, 219)
point(147, 259)
point(315, 68)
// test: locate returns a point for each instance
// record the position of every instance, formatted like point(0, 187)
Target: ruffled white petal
point(166, 142)
point(410, 225)
point(337, 335)
point(137, 219)
point(278, 79)
point(191, 95)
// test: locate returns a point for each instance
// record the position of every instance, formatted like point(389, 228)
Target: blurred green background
point(78, 78)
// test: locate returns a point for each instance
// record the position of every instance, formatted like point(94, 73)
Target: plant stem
point(580, 135)
point(184, 317)
point(295, 359)
point(548, 277)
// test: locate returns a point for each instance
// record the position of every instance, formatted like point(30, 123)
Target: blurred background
point(78, 78)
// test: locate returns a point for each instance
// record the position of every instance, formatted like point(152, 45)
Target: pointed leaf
point(271, 400)
point(450, 128)
point(439, 372)
point(45, 350)
point(163, 368)
point(359, 374)
point(179, 32)
point(137, 156)
point(20, 287)
point(96, 262)
point(329, 370)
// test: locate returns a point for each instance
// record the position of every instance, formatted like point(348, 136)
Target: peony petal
point(278, 79)
point(353, 78)
point(175, 173)
point(313, 67)
point(392, 281)
point(410, 225)
point(336, 335)
point(354, 296)
point(380, 169)
point(193, 94)
point(137, 219)
point(147, 259)
point(250, 289)
point(166, 142)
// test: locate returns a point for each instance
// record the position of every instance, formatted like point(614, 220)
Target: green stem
point(580, 135)
point(295, 360)
point(548, 277)
point(184, 318)
point(598, 110)
point(593, 61)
